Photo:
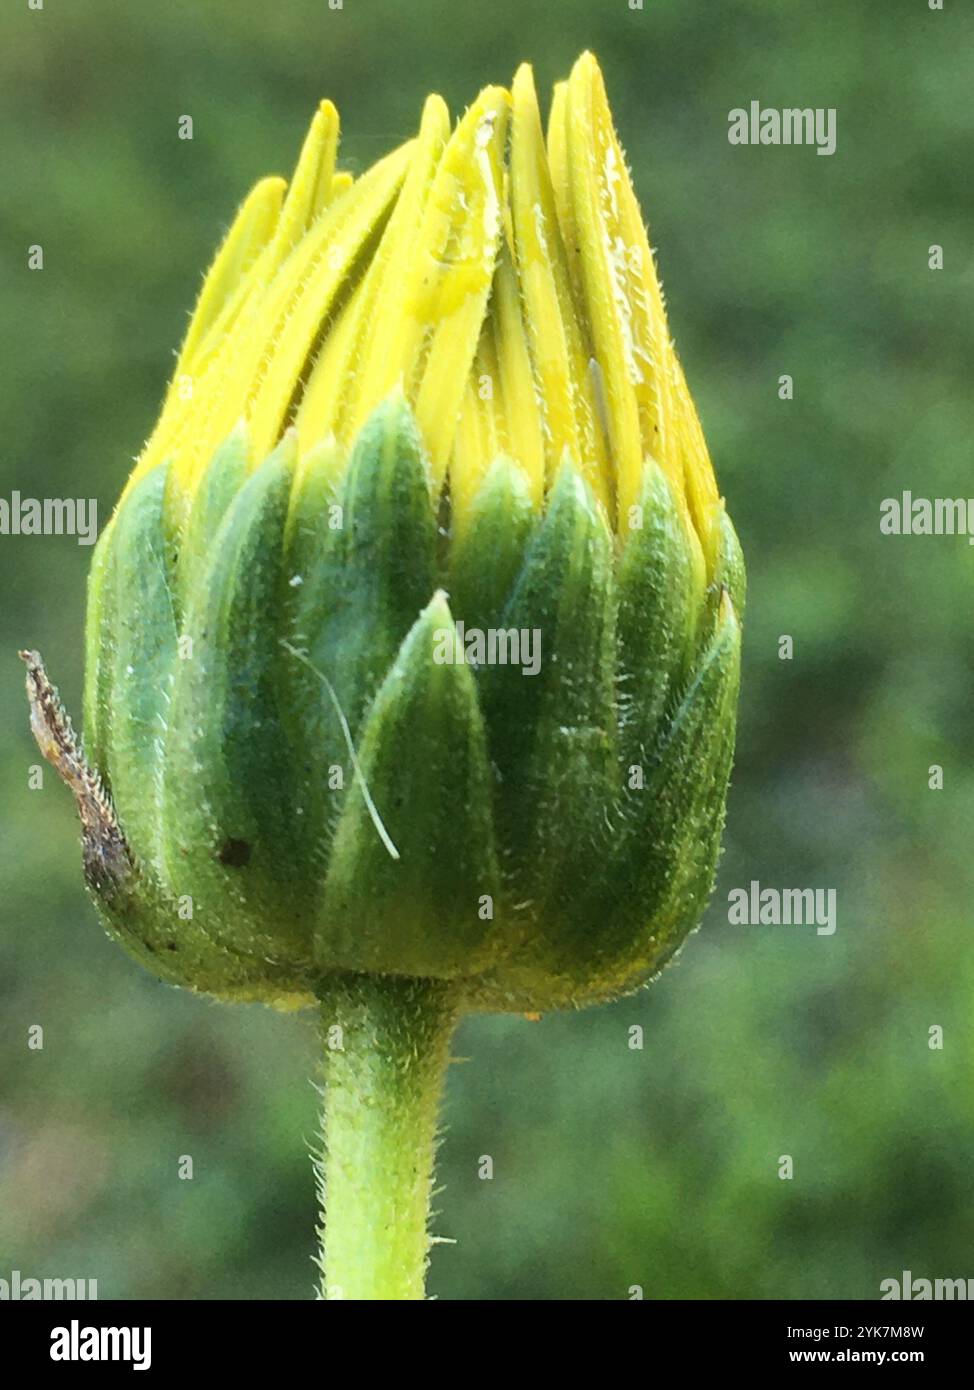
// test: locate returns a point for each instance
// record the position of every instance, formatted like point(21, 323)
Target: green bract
point(311, 779)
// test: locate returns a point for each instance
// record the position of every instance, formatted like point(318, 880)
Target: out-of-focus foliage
point(613, 1167)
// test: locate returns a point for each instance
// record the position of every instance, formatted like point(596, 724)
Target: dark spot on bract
point(234, 853)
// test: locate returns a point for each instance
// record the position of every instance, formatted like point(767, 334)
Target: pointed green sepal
point(729, 577)
point(316, 502)
point(100, 652)
point(660, 872)
point(660, 601)
point(359, 571)
point(413, 883)
point(368, 579)
point(222, 480)
point(141, 650)
point(649, 883)
point(551, 718)
point(135, 906)
point(488, 553)
point(235, 832)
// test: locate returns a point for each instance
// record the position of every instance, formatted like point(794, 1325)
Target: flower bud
point(413, 644)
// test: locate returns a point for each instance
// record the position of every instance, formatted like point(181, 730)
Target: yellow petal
point(303, 295)
point(521, 431)
point(474, 449)
point(349, 378)
point(311, 186)
point(432, 341)
point(560, 354)
point(251, 231)
point(224, 291)
point(703, 496)
point(647, 404)
point(332, 376)
point(607, 272)
point(341, 183)
point(558, 164)
point(258, 366)
point(500, 413)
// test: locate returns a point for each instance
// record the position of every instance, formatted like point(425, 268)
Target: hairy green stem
point(386, 1051)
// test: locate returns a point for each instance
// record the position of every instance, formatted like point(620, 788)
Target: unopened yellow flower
point(505, 284)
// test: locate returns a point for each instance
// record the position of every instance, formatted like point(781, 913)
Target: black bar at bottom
point(289, 1340)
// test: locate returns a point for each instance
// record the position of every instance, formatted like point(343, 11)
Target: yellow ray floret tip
point(498, 275)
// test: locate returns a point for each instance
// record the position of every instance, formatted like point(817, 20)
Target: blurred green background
point(613, 1167)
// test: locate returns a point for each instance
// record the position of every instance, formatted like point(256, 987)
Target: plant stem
point(384, 1073)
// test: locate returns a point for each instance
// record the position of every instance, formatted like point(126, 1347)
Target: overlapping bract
point(442, 393)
